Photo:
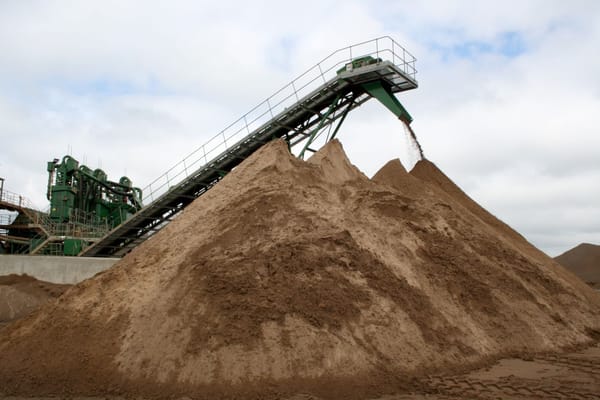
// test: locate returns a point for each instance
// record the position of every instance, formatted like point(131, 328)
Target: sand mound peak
point(429, 172)
point(392, 168)
point(587, 247)
point(394, 174)
point(274, 155)
point(299, 276)
point(334, 163)
point(584, 261)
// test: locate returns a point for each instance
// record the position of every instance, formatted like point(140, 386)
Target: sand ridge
point(292, 276)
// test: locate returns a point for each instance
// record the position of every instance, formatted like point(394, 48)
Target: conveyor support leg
point(387, 98)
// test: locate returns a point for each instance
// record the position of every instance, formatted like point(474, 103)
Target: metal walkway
point(299, 113)
point(20, 229)
point(33, 232)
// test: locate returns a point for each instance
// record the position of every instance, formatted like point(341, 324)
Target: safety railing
point(16, 199)
point(383, 47)
point(51, 249)
point(81, 224)
point(6, 219)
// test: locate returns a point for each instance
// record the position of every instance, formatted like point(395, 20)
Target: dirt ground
point(574, 375)
point(571, 375)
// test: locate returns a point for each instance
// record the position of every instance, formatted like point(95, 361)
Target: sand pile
point(293, 276)
point(584, 261)
point(21, 294)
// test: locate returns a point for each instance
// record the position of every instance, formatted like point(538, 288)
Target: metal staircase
point(27, 224)
point(316, 102)
point(33, 232)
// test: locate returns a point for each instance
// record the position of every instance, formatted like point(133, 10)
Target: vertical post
point(270, 109)
point(321, 71)
point(295, 91)
point(1, 188)
point(246, 123)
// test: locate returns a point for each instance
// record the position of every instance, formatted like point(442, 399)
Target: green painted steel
point(84, 205)
point(378, 90)
point(334, 105)
point(72, 246)
point(359, 63)
point(75, 189)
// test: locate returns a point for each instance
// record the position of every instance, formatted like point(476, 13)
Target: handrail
point(320, 73)
point(16, 199)
point(80, 224)
point(6, 219)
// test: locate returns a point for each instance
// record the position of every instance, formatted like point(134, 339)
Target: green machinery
point(84, 206)
point(75, 190)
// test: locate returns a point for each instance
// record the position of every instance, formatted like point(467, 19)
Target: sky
point(508, 103)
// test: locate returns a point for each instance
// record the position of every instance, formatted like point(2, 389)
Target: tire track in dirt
point(486, 389)
point(554, 376)
point(584, 365)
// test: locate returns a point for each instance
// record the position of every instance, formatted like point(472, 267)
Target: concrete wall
point(55, 269)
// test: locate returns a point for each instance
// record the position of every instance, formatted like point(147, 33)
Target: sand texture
point(303, 277)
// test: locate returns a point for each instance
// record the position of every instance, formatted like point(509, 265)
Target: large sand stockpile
point(293, 276)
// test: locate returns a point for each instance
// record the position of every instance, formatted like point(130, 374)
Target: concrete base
point(55, 269)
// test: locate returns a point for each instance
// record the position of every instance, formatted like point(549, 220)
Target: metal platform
point(36, 232)
point(29, 224)
point(298, 113)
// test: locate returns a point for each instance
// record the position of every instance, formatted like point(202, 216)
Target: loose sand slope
point(303, 276)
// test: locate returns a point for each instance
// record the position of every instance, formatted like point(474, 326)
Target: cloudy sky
point(508, 103)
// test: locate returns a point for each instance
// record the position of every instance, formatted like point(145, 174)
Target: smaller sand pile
point(584, 261)
point(21, 294)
